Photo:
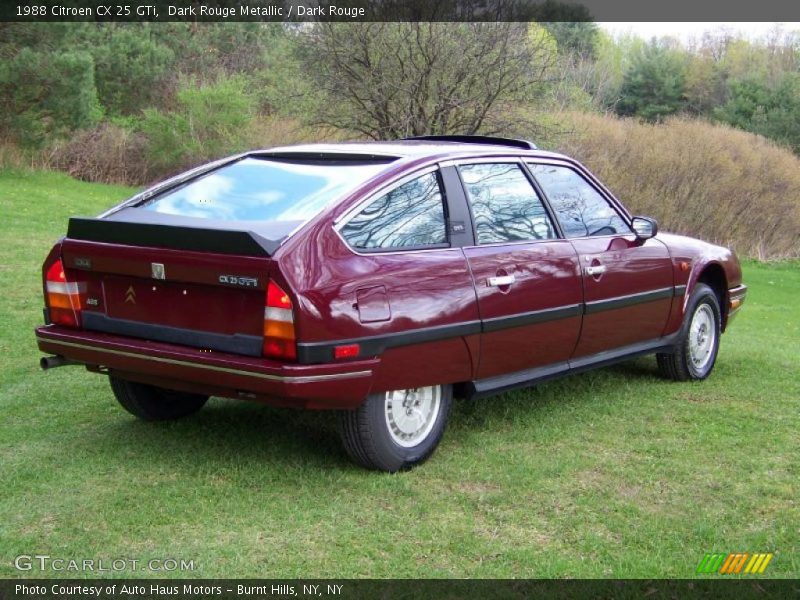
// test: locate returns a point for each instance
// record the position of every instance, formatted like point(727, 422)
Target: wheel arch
point(713, 275)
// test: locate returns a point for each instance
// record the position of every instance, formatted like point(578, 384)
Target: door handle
point(596, 270)
point(500, 280)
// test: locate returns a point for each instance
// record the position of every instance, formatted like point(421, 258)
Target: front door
point(627, 283)
point(526, 279)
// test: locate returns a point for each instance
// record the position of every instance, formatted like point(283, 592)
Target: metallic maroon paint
point(306, 386)
point(632, 267)
point(700, 256)
point(546, 278)
point(341, 296)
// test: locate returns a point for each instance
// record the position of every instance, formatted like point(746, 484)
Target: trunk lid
point(212, 300)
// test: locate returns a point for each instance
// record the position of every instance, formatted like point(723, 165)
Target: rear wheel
point(151, 403)
point(398, 429)
point(696, 351)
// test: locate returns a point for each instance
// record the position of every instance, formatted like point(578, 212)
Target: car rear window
point(255, 189)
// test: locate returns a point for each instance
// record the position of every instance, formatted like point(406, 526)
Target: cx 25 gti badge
point(236, 280)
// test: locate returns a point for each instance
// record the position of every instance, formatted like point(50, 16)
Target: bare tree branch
point(390, 80)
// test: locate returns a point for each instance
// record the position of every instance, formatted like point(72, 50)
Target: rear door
point(627, 283)
point(526, 279)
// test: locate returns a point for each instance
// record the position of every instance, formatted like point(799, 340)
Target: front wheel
point(398, 429)
point(696, 351)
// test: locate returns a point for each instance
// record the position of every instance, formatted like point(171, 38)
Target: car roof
point(405, 149)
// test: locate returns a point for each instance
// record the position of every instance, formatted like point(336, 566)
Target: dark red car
point(376, 279)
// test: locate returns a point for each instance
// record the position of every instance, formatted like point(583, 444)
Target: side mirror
point(644, 227)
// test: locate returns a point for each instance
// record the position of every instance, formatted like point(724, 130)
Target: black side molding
point(320, 352)
point(629, 300)
point(177, 237)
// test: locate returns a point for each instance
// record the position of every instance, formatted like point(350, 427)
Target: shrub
point(699, 179)
point(107, 153)
point(210, 121)
point(114, 152)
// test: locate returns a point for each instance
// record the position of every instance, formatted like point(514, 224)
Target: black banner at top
point(307, 11)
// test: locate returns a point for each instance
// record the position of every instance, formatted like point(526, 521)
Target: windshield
point(255, 189)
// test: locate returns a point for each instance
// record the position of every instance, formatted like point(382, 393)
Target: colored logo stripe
point(711, 563)
point(758, 563)
point(734, 563)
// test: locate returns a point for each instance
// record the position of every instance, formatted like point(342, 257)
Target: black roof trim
point(332, 158)
point(477, 139)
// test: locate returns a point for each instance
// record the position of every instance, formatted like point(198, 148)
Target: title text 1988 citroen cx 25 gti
point(376, 278)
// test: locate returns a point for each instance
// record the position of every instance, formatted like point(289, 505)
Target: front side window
point(505, 206)
point(580, 208)
point(409, 216)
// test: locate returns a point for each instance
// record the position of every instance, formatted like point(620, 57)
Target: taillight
point(279, 338)
point(64, 296)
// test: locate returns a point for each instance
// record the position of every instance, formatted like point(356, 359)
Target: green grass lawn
point(614, 473)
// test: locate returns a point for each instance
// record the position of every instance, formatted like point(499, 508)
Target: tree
point(47, 94)
point(578, 39)
point(130, 66)
point(774, 113)
point(392, 80)
point(655, 85)
point(594, 82)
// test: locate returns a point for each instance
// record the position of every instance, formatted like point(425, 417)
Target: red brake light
point(276, 297)
point(64, 296)
point(346, 351)
point(279, 337)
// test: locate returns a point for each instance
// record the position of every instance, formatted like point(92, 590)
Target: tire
point(151, 403)
point(378, 436)
point(696, 350)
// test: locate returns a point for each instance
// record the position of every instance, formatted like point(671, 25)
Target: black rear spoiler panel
point(173, 236)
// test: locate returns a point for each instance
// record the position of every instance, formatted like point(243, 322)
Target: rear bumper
point(736, 298)
point(339, 385)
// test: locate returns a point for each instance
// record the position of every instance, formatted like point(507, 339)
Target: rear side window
point(580, 208)
point(409, 216)
point(505, 206)
point(255, 189)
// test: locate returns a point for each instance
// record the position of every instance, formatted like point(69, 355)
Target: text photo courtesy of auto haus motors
point(377, 279)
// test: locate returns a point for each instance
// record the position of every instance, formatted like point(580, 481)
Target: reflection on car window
point(257, 189)
point(580, 209)
point(411, 215)
point(505, 205)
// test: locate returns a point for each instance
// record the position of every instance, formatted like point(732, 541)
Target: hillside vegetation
point(132, 103)
point(696, 178)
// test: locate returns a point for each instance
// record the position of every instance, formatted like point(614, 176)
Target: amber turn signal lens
point(279, 337)
point(64, 297)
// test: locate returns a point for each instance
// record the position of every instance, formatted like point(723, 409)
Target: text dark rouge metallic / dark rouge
point(377, 279)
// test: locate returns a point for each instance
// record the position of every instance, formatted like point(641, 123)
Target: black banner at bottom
point(398, 589)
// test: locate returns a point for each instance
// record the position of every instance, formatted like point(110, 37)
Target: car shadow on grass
point(227, 433)
point(235, 433)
